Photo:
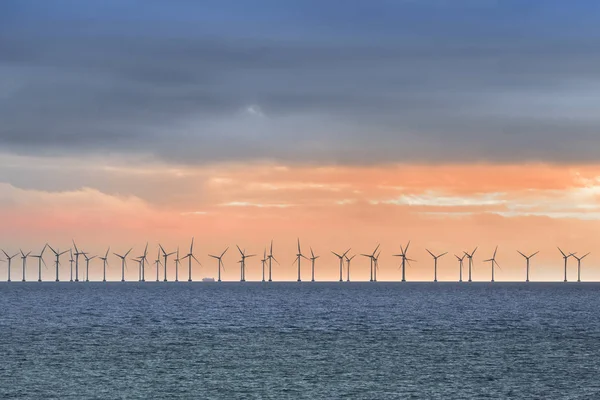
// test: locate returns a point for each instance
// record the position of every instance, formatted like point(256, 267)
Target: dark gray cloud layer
point(446, 95)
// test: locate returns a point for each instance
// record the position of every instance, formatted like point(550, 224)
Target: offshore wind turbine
point(220, 260)
point(157, 263)
point(57, 254)
point(177, 261)
point(123, 263)
point(24, 259)
point(348, 267)
point(166, 256)
point(243, 263)
point(460, 266)
point(71, 264)
point(402, 254)
point(527, 258)
point(8, 261)
point(77, 254)
point(40, 258)
point(143, 259)
point(189, 256)
point(470, 257)
point(87, 266)
point(579, 265)
point(312, 262)
point(264, 262)
point(493, 262)
point(370, 256)
point(299, 256)
point(271, 259)
point(376, 266)
point(435, 259)
point(341, 257)
point(104, 264)
point(565, 257)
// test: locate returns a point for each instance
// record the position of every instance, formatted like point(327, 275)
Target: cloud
point(326, 88)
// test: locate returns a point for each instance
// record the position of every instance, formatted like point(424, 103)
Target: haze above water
point(287, 340)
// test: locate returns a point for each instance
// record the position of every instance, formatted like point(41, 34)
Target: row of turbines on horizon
point(267, 262)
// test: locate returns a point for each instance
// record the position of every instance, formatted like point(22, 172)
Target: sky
point(453, 124)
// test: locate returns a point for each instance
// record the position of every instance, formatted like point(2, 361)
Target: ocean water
point(289, 340)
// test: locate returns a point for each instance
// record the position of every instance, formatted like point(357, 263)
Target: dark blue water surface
point(288, 340)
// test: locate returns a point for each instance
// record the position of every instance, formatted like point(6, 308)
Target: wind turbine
point(143, 259)
point(71, 261)
point(40, 258)
point(165, 255)
point(87, 266)
point(370, 256)
point(123, 263)
point(470, 257)
point(376, 266)
point(271, 259)
point(189, 256)
point(104, 264)
point(527, 258)
point(264, 262)
point(460, 266)
point(579, 265)
point(77, 254)
point(177, 265)
point(24, 259)
point(312, 261)
point(493, 262)
point(57, 254)
point(565, 257)
point(298, 257)
point(243, 263)
point(220, 259)
point(8, 260)
point(157, 263)
point(341, 257)
point(348, 270)
point(435, 259)
point(402, 254)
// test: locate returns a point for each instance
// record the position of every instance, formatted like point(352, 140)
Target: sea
point(299, 340)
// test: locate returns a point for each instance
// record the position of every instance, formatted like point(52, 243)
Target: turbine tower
point(243, 263)
point(165, 256)
point(312, 261)
point(264, 262)
point(341, 257)
point(565, 257)
point(24, 259)
point(189, 256)
point(435, 259)
point(402, 254)
point(71, 261)
point(298, 257)
point(40, 258)
point(57, 254)
point(104, 264)
point(8, 260)
point(348, 267)
point(87, 266)
point(579, 265)
point(123, 263)
point(220, 260)
point(460, 266)
point(493, 262)
point(77, 254)
point(370, 256)
point(271, 259)
point(470, 257)
point(376, 266)
point(143, 260)
point(157, 263)
point(527, 258)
